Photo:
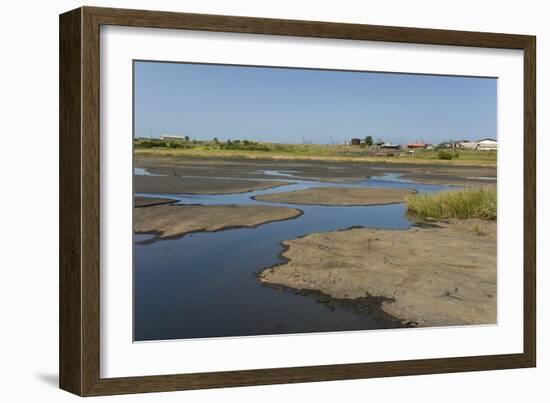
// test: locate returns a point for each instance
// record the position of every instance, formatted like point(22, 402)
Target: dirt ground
point(178, 220)
point(198, 185)
point(439, 275)
point(340, 196)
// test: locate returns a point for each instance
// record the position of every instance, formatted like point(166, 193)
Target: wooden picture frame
point(79, 201)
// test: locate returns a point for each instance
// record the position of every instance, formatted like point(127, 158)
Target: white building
point(168, 137)
point(487, 145)
point(468, 145)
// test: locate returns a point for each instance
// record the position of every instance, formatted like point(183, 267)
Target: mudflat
point(151, 201)
point(331, 171)
point(178, 220)
point(340, 196)
point(198, 185)
point(439, 275)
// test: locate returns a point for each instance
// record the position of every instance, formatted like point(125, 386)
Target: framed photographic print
point(250, 201)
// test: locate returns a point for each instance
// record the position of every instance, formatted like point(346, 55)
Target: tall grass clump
point(466, 203)
point(447, 155)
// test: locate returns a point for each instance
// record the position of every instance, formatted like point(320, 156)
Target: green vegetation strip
point(467, 203)
point(332, 152)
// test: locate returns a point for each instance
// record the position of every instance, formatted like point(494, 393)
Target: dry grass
point(478, 202)
point(323, 153)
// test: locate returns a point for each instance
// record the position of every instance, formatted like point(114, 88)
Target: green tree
point(368, 141)
point(186, 138)
point(216, 140)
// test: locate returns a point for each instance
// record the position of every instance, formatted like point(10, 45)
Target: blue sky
point(293, 105)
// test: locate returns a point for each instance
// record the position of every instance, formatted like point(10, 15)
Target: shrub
point(145, 144)
point(466, 203)
point(179, 145)
point(243, 145)
point(444, 155)
point(157, 143)
point(151, 143)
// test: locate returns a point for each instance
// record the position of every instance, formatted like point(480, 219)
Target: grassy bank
point(467, 203)
point(335, 153)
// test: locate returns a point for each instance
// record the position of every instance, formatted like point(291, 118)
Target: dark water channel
point(204, 284)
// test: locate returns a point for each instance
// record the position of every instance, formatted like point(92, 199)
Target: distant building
point(172, 138)
point(355, 142)
point(416, 145)
point(450, 144)
point(446, 144)
point(467, 145)
point(390, 146)
point(487, 145)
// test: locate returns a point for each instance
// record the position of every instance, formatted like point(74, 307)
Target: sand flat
point(151, 201)
point(333, 171)
point(437, 276)
point(340, 196)
point(178, 220)
point(198, 185)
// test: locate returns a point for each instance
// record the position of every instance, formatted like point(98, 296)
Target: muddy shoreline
point(367, 304)
point(432, 274)
point(357, 263)
point(177, 184)
point(164, 224)
point(346, 172)
point(339, 196)
point(141, 202)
